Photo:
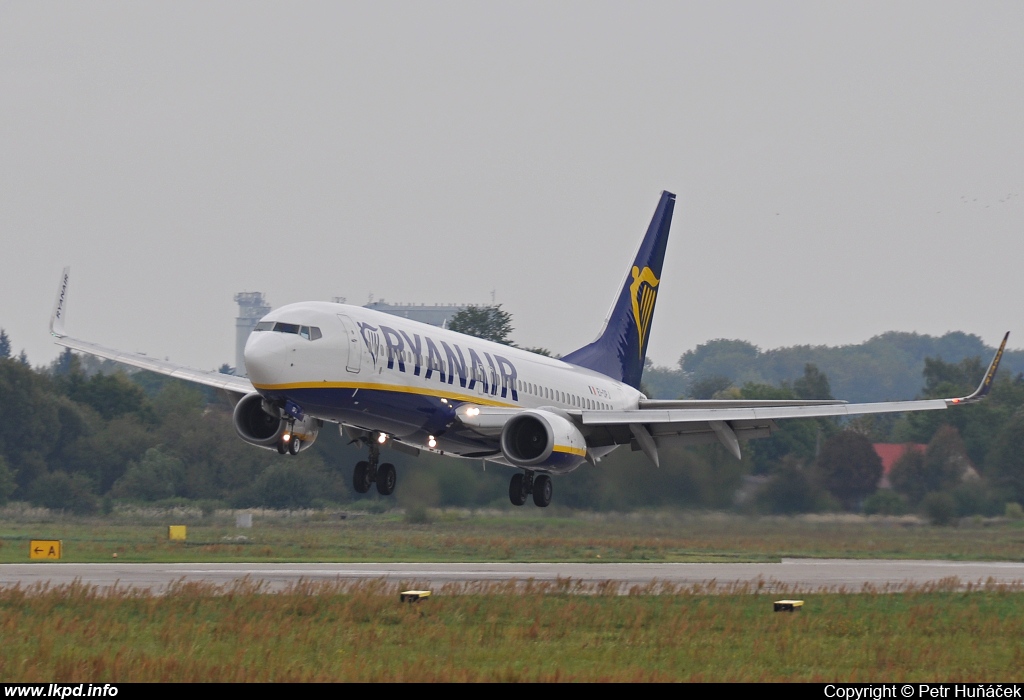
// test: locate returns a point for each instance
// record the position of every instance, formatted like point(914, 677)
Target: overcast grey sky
point(842, 169)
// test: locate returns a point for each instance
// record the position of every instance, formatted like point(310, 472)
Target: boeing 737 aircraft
point(388, 381)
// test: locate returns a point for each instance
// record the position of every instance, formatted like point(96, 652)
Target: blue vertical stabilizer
point(620, 349)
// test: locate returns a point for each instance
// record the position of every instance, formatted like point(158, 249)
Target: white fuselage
point(381, 372)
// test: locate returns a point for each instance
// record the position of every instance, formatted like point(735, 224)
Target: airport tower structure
point(251, 308)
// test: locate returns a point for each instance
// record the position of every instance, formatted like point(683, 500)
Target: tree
point(1005, 465)
point(487, 322)
point(60, 491)
point(813, 385)
point(789, 491)
point(942, 379)
point(849, 467)
point(158, 475)
point(109, 395)
point(733, 359)
point(5, 344)
point(908, 476)
point(708, 387)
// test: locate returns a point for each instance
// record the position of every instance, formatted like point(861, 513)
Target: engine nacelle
point(543, 440)
point(258, 427)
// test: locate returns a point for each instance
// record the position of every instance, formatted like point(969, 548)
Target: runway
point(791, 574)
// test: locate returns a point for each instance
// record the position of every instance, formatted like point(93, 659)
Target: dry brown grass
point(524, 631)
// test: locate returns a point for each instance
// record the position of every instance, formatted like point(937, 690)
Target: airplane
point(389, 381)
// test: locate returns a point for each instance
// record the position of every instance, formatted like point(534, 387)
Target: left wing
point(228, 382)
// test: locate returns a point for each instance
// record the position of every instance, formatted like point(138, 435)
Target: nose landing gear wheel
point(361, 477)
point(386, 479)
point(517, 490)
point(282, 447)
point(294, 446)
point(542, 490)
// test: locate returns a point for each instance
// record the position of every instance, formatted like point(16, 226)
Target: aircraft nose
point(264, 357)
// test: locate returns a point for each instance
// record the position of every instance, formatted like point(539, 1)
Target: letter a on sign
point(44, 549)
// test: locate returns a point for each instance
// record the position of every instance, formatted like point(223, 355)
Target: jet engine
point(543, 440)
point(263, 425)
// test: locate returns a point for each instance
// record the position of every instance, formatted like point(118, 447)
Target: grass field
point(549, 632)
point(459, 536)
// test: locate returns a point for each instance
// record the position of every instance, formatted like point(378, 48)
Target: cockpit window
point(307, 332)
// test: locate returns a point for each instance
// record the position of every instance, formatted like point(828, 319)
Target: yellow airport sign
point(44, 549)
point(176, 532)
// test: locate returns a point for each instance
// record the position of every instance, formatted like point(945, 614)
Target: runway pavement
point(794, 574)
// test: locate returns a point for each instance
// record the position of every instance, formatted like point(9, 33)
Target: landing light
point(431, 442)
point(472, 411)
point(286, 437)
point(382, 438)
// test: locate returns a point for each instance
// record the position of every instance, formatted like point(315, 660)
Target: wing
point(227, 382)
point(655, 424)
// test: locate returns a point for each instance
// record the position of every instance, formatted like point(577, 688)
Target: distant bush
point(939, 507)
point(885, 502)
point(1014, 511)
point(789, 491)
point(976, 498)
point(61, 491)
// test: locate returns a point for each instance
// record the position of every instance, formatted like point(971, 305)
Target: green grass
point(361, 632)
point(655, 537)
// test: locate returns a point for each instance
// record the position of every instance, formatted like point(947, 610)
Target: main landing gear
point(522, 485)
point(289, 445)
point(367, 473)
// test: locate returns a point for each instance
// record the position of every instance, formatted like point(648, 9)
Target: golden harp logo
point(642, 292)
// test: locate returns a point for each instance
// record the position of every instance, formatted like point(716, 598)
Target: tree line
point(83, 434)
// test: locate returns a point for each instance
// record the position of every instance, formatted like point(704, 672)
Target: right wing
point(227, 382)
point(655, 422)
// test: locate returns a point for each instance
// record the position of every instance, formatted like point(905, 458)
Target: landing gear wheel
point(386, 479)
point(361, 477)
point(282, 447)
point(542, 490)
point(294, 446)
point(517, 490)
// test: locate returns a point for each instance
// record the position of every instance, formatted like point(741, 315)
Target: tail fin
point(620, 349)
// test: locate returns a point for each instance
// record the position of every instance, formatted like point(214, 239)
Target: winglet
point(986, 383)
point(60, 306)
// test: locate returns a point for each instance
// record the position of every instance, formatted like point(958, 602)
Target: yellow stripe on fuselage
point(396, 388)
